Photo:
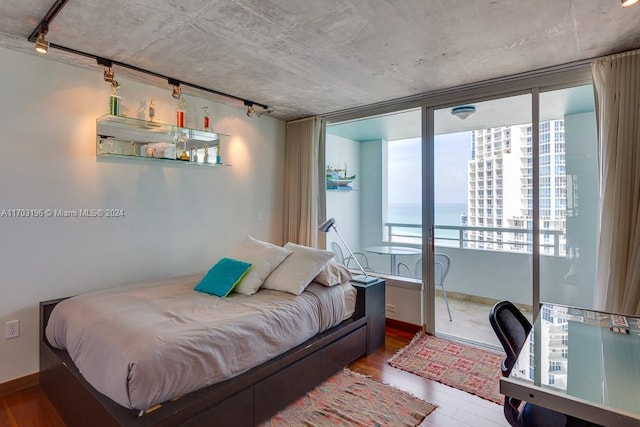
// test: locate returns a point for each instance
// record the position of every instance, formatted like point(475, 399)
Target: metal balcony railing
point(462, 236)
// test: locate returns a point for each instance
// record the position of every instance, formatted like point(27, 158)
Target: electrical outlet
point(12, 329)
point(391, 308)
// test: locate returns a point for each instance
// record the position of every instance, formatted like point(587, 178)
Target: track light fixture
point(42, 45)
point(627, 3)
point(249, 105)
point(38, 34)
point(176, 93)
point(108, 74)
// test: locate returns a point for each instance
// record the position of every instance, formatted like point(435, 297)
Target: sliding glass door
point(515, 202)
point(483, 203)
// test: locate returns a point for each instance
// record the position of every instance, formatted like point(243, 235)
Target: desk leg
point(394, 266)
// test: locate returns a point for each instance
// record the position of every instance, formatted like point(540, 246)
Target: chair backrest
point(403, 270)
point(418, 269)
point(442, 263)
point(511, 328)
point(337, 252)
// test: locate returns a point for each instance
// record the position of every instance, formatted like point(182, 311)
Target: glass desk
point(581, 362)
point(393, 252)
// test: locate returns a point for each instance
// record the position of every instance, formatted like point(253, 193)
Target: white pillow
point(333, 274)
point(264, 257)
point(298, 270)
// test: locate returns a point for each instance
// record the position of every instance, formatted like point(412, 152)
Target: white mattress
point(349, 299)
point(148, 343)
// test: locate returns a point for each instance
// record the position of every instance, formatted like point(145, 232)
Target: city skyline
point(486, 175)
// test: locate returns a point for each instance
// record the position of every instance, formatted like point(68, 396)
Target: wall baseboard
point(18, 384)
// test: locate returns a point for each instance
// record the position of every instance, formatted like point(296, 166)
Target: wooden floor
point(456, 408)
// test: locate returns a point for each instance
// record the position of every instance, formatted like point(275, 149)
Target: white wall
point(373, 171)
point(178, 218)
point(344, 205)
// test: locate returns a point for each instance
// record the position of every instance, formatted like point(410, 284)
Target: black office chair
point(512, 328)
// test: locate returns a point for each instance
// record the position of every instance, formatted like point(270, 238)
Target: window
point(404, 202)
point(545, 127)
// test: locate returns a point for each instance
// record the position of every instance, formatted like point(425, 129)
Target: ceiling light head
point(42, 45)
point(463, 111)
point(108, 74)
point(265, 110)
point(176, 93)
point(249, 108)
point(627, 3)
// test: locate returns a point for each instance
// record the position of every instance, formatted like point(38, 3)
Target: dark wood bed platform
point(246, 400)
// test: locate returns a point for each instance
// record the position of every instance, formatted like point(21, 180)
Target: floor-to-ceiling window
point(374, 183)
point(514, 159)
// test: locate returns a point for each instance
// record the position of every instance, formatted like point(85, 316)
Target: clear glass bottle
point(152, 110)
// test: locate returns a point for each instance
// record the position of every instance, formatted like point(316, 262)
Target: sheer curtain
point(617, 84)
point(304, 200)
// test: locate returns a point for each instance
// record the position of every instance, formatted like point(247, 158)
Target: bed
point(310, 347)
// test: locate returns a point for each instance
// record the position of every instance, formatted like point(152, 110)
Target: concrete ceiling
point(307, 57)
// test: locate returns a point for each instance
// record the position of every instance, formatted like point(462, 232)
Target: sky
point(452, 152)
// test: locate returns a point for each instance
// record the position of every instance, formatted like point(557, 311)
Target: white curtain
point(617, 85)
point(304, 198)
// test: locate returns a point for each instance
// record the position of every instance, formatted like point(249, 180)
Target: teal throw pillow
point(223, 277)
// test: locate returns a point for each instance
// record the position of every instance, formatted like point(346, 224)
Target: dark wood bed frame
point(245, 400)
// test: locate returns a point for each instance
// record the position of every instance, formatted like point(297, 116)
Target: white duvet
point(148, 343)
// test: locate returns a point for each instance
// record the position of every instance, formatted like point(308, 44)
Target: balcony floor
point(470, 320)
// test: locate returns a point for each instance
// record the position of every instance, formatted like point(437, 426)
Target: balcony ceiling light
point(627, 3)
point(463, 111)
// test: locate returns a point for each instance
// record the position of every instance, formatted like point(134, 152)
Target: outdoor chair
point(339, 256)
point(442, 263)
point(405, 271)
point(511, 328)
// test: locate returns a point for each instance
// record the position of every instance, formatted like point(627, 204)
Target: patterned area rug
point(349, 398)
point(461, 366)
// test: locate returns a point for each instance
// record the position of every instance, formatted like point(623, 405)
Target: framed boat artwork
point(337, 179)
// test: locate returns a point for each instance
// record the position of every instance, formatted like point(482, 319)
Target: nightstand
point(370, 303)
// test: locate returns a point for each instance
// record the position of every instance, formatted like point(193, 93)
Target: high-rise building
point(500, 186)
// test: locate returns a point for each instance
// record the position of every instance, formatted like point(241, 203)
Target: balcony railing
point(462, 236)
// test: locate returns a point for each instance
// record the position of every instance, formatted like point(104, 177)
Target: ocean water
point(445, 214)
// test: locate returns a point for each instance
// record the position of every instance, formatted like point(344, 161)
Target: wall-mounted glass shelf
point(118, 136)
